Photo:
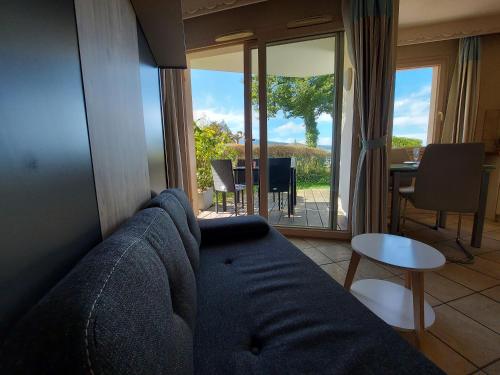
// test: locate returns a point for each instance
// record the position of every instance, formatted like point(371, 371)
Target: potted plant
point(211, 142)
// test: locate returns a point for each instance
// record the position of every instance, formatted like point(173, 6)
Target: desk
point(410, 170)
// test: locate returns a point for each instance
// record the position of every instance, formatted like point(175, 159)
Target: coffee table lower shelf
point(391, 302)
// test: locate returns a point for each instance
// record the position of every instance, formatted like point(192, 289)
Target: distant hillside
point(327, 148)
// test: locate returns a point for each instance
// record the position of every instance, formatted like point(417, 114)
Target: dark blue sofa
point(167, 294)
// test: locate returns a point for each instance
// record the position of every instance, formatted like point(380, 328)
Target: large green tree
point(306, 98)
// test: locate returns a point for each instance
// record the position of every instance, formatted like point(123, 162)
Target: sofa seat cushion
point(265, 308)
point(128, 307)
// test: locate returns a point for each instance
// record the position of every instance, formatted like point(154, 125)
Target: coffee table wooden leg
point(408, 280)
point(417, 285)
point(353, 265)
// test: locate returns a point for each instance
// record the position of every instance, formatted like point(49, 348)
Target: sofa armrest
point(219, 231)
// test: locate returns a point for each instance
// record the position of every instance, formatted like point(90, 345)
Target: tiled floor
point(465, 338)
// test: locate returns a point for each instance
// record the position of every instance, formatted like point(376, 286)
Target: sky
point(218, 96)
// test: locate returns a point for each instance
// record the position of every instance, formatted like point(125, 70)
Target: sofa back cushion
point(191, 218)
point(176, 204)
point(128, 307)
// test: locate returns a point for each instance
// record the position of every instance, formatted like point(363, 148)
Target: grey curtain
point(176, 129)
point(461, 110)
point(371, 27)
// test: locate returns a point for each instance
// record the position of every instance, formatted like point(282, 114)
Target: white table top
point(398, 251)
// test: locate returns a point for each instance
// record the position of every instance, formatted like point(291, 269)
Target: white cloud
point(235, 120)
point(289, 128)
point(324, 141)
point(325, 117)
point(412, 111)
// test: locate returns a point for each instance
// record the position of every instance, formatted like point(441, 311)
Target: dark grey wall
point(48, 209)
point(150, 88)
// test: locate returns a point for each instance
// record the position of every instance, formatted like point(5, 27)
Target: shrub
point(313, 164)
point(211, 142)
point(404, 142)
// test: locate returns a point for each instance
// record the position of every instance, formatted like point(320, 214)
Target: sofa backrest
point(176, 204)
point(128, 307)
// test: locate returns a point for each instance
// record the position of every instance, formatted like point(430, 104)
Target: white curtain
point(371, 27)
point(461, 110)
point(177, 129)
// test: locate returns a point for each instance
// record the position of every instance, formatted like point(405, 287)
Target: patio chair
point(279, 180)
point(448, 180)
point(223, 178)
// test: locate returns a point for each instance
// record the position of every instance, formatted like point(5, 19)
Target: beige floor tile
point(487, 245)
point(431, 236)
point(317, 256)
point(451, 249)
point(441, 354)
point(486, 266)
point(494, 256)
point(493, 293)
point(367, 270)
point(472, 340)
point(493, 369)
point(335, 271)
point(336, 251)
point(433, 301)
point(480, 308)
point(300, 242)
point(495, 235)
point(467, 277)
point(317, 242)
point(443, 288)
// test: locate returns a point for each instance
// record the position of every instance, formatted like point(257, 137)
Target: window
point(413, 107)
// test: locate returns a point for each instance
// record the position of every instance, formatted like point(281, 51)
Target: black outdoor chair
point(279, 180)
point(223, 178)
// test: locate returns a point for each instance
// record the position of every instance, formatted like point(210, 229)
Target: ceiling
point(423, 12)
point(299, 59)
point(411, 12)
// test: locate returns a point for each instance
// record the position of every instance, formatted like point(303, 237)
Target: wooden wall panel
point(109, 55)
point(153, 121)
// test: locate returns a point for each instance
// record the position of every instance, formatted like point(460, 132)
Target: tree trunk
point(311, 130)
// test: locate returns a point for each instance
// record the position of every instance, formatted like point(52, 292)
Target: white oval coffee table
point(398, 306)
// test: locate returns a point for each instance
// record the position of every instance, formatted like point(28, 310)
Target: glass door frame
point(261, 47)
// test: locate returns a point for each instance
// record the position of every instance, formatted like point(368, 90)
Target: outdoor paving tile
point(493, 293)
point(443, 288)
point(493, 369)
point(481, 309)
point(475, 342)
point(471, 279)
point(441, 354)
point(317, 256)
point(485, 266)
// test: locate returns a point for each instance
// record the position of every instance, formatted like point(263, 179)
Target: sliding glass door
point(298, 147)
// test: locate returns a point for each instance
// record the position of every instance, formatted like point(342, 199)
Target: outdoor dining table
point(399, 171)
point(293, 180)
